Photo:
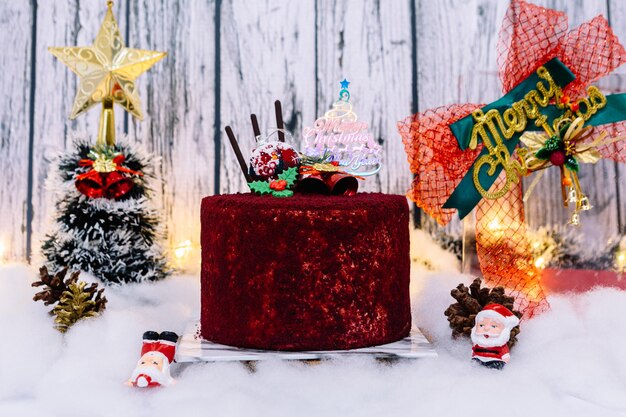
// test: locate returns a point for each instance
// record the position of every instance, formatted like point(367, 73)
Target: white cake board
point(192, 348)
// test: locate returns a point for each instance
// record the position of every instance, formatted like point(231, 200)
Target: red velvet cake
point(309, 272)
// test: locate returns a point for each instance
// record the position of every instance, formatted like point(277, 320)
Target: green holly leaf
point(543, 153)
point(290, 175)
point(260, 187)
point(282, 193)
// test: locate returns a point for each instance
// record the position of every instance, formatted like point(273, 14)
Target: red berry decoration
point(574, 107)
point(278, 185)
point(557, 158)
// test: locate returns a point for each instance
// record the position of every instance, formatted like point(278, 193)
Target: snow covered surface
point(569, 362)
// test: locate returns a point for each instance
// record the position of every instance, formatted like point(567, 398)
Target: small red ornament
point(574, 107)
point(270, 159)
point(557, 158)
point(117, 185)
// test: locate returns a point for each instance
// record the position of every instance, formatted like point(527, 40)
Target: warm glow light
point(494, 225)
point(620, 260)
point(182, 249)
point(540, 262)
point(3, 250)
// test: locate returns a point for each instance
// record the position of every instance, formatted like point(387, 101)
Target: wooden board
point(369, 43)
point(16, 27)
point(60, 23)
point(267, 53)
point(178, 96)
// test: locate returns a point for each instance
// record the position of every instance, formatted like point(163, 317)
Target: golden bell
point(574, 220)
point(584, 204)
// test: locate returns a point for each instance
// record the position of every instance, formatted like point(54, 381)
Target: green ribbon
point(465, 196)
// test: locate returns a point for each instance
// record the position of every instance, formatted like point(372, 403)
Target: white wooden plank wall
point(178, 95)
point(229, 58)
point(267, 53)
point(16, 24)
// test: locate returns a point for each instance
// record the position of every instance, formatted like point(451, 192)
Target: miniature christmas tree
point(116, 237)
point(104, 223)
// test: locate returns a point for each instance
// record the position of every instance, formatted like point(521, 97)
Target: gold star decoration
point(107, 69)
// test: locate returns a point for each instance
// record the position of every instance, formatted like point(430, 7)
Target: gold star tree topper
point(107, 72)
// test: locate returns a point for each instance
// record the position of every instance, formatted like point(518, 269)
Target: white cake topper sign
point(347, 139)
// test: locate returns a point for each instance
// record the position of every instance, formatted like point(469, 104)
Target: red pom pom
point(557, 158)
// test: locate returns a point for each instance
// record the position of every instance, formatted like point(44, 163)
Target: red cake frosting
point(309, 272)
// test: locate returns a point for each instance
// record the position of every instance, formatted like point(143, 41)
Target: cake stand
point(192, 348)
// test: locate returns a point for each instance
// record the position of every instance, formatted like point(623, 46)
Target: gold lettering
point(490, 128)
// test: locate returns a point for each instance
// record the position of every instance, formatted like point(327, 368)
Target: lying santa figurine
point(491, 334)
point(157, 353)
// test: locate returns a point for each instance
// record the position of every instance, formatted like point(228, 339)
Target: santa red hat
point(500, 313)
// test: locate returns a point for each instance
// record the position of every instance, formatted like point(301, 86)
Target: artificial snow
point(570, 361)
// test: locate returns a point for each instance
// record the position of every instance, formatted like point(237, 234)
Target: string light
point(3, 250)
point(186, 256)
point(620, 260)
point(182, 249)
point(494, 225)
point(540, 262)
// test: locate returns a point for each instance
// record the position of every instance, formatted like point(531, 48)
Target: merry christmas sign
point(346, 138)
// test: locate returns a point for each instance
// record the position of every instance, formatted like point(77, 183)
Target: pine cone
point(470, 301)
point(76, 303)
point(55, 285)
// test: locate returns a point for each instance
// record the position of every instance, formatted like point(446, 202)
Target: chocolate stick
point(255, 125)
point(279, 120)
point(235, 145)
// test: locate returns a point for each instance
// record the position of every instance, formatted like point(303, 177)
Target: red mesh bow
point(529, 37)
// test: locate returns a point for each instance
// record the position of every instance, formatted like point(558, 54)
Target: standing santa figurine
point(157, 353)
point(491, 334)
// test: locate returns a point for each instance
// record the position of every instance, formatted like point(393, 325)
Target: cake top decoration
point(276, 168)
point(348, 140)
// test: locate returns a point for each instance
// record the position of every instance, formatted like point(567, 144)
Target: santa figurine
point(491, 334)
point(157, 353)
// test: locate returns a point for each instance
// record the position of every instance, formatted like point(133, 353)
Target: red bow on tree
point(106, 178)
